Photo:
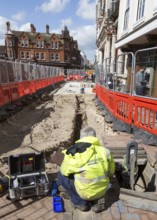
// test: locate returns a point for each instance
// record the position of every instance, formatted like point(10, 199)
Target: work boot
point(82, 207)
point(99, 205)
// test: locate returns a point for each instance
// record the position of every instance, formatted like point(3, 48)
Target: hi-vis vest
point(91, 164)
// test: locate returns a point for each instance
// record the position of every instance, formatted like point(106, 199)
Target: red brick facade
point(43, 48)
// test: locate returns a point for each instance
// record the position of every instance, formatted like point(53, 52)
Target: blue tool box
point(57, 204)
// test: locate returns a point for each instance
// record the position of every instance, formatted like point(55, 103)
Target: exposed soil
point(52, 124)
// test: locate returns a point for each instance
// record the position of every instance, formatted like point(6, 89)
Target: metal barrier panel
point(32, 71)
point(25, 71)
point(125, 69)
point(10, 70)
point(17, 69)
point(145, 77)
point(145, 114)
point(3, 72)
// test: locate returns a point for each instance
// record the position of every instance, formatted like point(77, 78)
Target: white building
point(137, 23)
point(125, 26)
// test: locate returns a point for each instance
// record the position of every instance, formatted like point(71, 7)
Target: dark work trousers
point(139, 90)
point(68, 184)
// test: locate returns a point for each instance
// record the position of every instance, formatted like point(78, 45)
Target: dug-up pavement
point(51, 123)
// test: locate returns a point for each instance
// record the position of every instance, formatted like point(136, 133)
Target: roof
point(32, 36)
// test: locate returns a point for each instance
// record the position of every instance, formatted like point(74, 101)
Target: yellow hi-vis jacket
point(91, 164)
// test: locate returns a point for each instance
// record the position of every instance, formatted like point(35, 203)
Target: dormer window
point(40, 44)
point(24, 43)
point(56, 45)
point(53, 46)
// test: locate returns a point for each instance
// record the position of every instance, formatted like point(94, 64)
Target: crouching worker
point(86, 170)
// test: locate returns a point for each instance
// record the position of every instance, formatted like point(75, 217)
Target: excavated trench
point(80, 119)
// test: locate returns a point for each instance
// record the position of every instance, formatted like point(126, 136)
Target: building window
point(22, 55)
point(56, 45)
point(155, 4)
point(42, 56)
point(53, 45)
point(40, 44)
point(126, 16)
point(66, 57)
point(24, 43)
point(27, 55)
point(37, 56)
point(140, 9)
point(52, 56)
point(56, 56)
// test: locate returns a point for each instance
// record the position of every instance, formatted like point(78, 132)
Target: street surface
point(53, 123)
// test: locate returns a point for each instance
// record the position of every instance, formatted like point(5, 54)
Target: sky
point(78, 15)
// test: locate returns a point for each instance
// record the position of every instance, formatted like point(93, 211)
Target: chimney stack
point(8, 26)
point(33, 30)
point(47, 29)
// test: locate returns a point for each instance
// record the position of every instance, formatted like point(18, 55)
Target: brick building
point(44, 48)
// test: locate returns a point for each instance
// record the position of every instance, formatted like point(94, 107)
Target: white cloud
point(86, 9)
point(19, 16)
point(54, 6)
point(86, 38)
point(66, 22)
point(25, 27)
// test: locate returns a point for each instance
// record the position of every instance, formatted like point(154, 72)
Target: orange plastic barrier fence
point(6, 93)
point(123, 107)
point(1, 97)
point(138, 111)
point(145, 114)
point(14, 91)
point(20, 89)
point(32, 86)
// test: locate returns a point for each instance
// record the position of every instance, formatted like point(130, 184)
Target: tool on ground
point(57, 204)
